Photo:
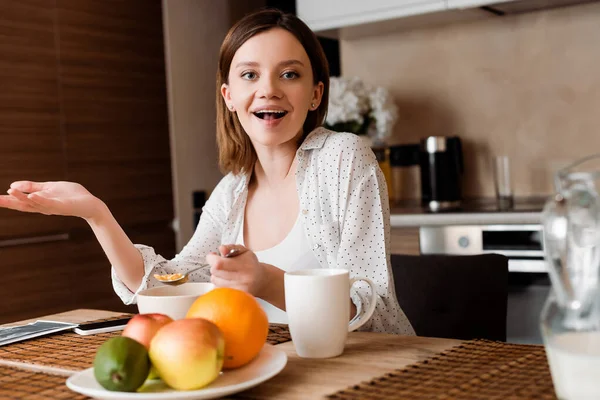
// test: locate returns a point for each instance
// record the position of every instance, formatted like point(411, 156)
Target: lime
point(121, 364)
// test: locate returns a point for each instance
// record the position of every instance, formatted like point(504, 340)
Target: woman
point(295, 195)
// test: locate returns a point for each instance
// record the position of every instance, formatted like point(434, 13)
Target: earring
point(231, 107)
point(312, 105)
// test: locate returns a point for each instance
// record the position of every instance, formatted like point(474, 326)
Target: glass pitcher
point(570, 320)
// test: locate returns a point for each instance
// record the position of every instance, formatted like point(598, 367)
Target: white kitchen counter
point(463, 218)
point(483, 211)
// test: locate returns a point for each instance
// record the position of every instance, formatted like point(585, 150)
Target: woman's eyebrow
point(254, 64)
point(247, 64)
point(287, 63)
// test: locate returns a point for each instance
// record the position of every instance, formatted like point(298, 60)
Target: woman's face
point(271, 87)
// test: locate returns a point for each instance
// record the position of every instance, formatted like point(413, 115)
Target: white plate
point(269, 362)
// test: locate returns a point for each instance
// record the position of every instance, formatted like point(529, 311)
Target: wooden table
point(366, 356)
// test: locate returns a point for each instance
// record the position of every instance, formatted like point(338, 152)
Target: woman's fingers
point(32, 206)
point(41, 200)
point(219, 263)
point(16, 204)
point(19, 195)
point(27, 186)
point(224, 274)
point(220, 282)
point(45, 204)
point(222, 262)
point(224, 249)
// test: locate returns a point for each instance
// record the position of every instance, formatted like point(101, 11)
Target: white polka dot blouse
point(345, 207)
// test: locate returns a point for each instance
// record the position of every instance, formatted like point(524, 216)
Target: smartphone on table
point(92, 328)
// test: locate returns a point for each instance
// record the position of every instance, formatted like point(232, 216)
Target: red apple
point(188, 353)
point(143, 327)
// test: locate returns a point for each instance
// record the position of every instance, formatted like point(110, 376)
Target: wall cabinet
point(473, 3)
point(83, 99)
point(358, 18)
point(322, 15)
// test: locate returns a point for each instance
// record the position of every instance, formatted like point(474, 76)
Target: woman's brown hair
point(236, 153)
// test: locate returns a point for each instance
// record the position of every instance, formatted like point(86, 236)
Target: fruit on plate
point(241, 319)
point(121, 364)
point(143, 327)
point(188, 353)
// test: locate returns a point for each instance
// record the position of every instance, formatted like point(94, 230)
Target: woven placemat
point(479, 369)
point(19, 384)
point(278, 334)
point(65, 351)
point(70, 352)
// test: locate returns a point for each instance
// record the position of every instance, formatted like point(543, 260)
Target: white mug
point(317, 303)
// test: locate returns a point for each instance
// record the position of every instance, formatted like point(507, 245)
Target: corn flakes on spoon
point(180, 278)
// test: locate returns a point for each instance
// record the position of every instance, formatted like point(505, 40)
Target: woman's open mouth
point(269, 115)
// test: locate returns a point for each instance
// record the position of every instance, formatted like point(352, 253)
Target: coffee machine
point(441, 163)
point(437, 163)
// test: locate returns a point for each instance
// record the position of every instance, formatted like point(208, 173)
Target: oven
point(528, 280)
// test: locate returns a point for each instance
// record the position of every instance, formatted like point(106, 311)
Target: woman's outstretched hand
point(51, 198)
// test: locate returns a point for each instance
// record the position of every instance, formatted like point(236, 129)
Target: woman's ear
point(227, 96)
point(317, 95)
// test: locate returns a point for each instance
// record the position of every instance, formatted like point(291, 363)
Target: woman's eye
point(249, 75)
point(290, 75)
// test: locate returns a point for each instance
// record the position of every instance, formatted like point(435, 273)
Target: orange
point(241, 319)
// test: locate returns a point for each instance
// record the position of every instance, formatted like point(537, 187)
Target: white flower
point(351, 100)
point(348, 101)
point(384, 111)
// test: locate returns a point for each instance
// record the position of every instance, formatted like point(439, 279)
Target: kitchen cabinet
point(114, 102)
point(321, 15)
point(473, 3)
point(405, 241)
point(32, 246)
point(37, 279)
point(83, 99)
point(354, 19)
point(29, 111)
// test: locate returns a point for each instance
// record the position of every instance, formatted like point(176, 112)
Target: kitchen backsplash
point(526, 86)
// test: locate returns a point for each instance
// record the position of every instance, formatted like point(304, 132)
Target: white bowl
point(173, 301)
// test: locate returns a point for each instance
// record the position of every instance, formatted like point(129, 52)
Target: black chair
point(458, 297)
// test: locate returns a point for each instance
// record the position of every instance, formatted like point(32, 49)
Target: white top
point(293, 253)
point(346, 217)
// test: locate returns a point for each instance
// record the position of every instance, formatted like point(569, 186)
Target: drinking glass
point(503, 182)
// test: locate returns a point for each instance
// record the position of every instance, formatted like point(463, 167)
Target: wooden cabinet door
point(37, 280)
point(31, 145)
point(113, 88)
point(82, 98)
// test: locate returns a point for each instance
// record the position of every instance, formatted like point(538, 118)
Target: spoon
point(179, 278)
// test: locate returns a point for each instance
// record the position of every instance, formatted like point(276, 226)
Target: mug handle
point(360, 320)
